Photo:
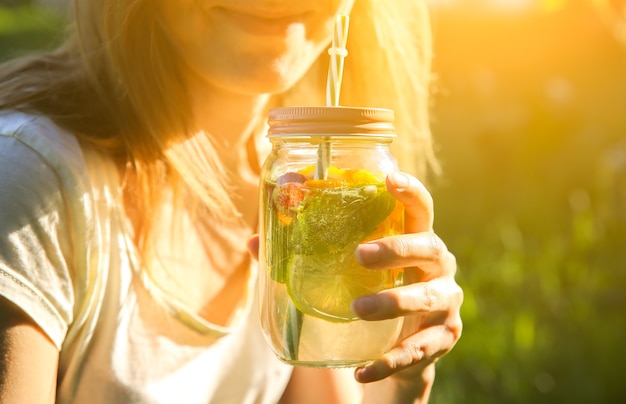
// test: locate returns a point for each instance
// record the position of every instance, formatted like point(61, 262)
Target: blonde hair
point(115, 84)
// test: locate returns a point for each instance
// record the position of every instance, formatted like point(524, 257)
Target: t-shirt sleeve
point(35, 240)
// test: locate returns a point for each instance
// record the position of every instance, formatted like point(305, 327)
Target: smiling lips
point(261, 22)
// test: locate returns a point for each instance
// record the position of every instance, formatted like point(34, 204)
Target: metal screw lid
point(325, 121)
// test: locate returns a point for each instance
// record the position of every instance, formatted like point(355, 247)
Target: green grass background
point(530, 121)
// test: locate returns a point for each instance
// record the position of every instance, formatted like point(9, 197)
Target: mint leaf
point(329, 220)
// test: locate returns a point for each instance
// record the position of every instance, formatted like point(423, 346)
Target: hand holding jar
point(352, 273)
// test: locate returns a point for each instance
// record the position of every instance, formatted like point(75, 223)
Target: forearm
point(399, 391)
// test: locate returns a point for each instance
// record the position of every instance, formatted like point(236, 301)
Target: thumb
point(418, 203)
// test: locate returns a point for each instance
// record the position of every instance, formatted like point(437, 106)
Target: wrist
point(401, 389)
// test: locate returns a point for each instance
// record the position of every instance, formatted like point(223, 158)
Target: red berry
point(287, 197)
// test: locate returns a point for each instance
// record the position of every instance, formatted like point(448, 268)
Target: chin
point(267, 88)
point(263, 84)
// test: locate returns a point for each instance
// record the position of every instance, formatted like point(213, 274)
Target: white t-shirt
point(66, 259)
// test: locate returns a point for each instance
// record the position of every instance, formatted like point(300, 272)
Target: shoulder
point(40, 135)
point(29, 175)
point(48, 203)
point(46, 171)
point(35, 178)
point(35, 149)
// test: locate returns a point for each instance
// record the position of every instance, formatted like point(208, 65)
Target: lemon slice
point(324, 285)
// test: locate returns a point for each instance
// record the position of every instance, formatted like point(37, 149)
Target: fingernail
point(367, 253)
point(400, 181)
point(365, 306)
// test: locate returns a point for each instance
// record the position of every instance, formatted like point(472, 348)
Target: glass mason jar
point(322, 193)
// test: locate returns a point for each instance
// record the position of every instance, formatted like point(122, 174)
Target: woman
point(130, 160)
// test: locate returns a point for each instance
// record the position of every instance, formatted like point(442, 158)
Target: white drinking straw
point(337, 54)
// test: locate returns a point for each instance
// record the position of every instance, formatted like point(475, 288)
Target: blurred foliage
point(531, 125)
point(25, 27)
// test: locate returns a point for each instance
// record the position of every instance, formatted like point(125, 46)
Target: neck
point(232, 121)
point(230, 118)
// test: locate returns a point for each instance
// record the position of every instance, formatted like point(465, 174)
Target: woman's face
point(250, 46)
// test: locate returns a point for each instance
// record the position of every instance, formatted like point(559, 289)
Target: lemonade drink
point(312, 228)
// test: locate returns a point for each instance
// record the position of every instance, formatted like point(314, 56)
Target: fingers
point(438, 296)
point(417, 351)
point(429, 300)
point(417, 201)
point(419, 247)
point(253, 247)
point(423, 250)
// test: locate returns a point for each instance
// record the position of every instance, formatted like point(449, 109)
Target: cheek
point(258, 65)
point(224, 55)
point(182, 20)
point(299, 54)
